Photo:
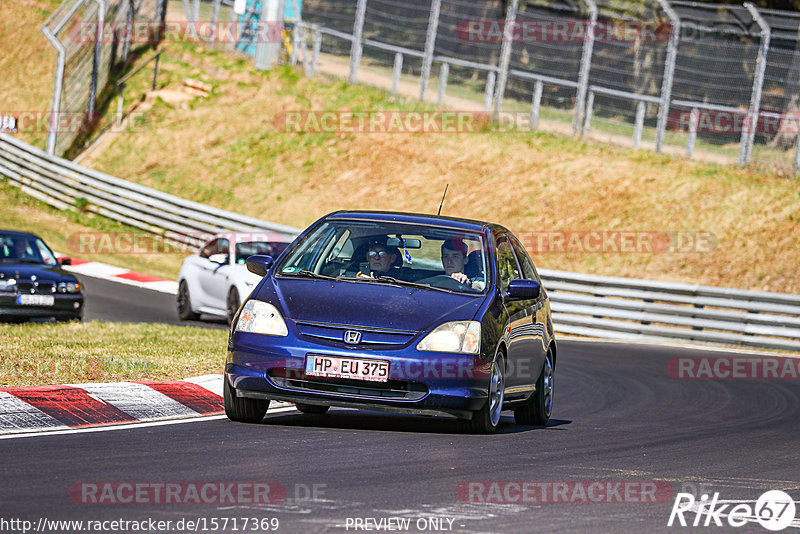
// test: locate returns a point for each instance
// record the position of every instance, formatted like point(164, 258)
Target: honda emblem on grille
point(352, 337)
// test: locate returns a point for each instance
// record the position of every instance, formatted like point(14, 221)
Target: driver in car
point(381, 260)
point(454, 258)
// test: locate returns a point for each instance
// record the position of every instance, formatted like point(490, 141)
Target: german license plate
point(36, 300)
point(352, 368)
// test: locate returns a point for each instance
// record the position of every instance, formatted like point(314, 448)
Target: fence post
point(315, 50)
point(55, 103)
point(357, 47)
point(444, 71)
point(187, 9)
point(749, 134)
point(669, 74)
point(215, 7)
point(396, 72)
point(587, 121)
point(586, 64)
point(126, 49)
point(430, 43)
point(299, 29)
point(267, 54)
point(101, 19)
point(535, 103)
point(505, 55)
point(694, 121)
point(489, 91)
point(797, 151)
point(637, 129)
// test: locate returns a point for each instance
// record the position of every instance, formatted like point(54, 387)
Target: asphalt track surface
point(618, 416)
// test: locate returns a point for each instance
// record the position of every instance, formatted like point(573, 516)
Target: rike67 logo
point(774, 510)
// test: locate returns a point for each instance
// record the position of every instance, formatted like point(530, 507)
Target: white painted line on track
point(212, 383)
point(18, 414)
point(131, 426)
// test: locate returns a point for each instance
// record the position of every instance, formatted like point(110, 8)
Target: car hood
point(24, 271)
point(368, 305)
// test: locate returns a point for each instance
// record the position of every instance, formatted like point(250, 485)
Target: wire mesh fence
point(719, 79)
point(93, 40)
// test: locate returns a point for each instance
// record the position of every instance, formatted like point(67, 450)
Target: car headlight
point(261, 317)
point(69, 287)
point(455, 336)
point(8, 285)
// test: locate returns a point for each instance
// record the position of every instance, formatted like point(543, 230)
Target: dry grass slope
point(236, 158)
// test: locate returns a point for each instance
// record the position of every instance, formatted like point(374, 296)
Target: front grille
point(369, 336)
point(38, 287)
point(393, 389)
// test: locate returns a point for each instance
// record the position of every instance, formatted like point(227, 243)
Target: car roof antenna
point(442, 202)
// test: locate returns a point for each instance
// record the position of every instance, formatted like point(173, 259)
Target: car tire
point(486, 420)
point(233, 304)
point(537, 410)
point(243, 409)
point(312, 408)
point(185, 303)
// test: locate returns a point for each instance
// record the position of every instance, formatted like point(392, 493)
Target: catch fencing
point(586, 305)
point(724, 79)
point(92, 40)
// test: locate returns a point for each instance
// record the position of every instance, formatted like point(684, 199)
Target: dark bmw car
point(32, 283)
point(396, 312)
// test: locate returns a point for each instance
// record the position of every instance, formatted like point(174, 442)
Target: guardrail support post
point(589, 107)
point(749, 134)
point(357, 46)
point(669, 74)
point(444, 72)
point(535, 103)
point(586, 64)
point(505, 55)
point(397, 70)
point(430, 43)
point(694, 122)
point(637, 129)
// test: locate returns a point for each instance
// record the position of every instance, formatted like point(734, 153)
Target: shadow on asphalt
point(379, 421)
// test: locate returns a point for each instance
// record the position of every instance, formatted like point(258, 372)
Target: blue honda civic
point(396, 312)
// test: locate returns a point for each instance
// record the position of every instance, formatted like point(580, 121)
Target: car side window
point(210, 248)
point(507, 266)
point(525, 261)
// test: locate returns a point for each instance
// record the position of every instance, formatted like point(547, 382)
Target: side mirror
point(259, 264)
point(65, 261)
point(219, 258)
point(523, 289)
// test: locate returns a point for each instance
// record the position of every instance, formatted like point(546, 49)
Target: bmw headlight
point(8, 285)
point(455, 336)
point(69, 287)
point(261, 317)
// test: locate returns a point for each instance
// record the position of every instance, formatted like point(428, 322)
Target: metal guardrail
point(60, 183)
point(628, 309)
point(587, 305)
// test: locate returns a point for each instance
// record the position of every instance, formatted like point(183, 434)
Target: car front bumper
point(423, 383)
point(66, 306)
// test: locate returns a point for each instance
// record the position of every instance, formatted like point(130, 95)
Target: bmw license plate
point(352, 368)
point(36, 300)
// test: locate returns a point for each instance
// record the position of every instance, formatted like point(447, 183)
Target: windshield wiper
point(21, 260)
point(305, 273)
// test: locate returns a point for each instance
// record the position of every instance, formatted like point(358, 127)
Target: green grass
point(59, 353)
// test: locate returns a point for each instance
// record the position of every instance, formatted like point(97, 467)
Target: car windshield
point(25, 249)
point(266, 248)
point(384, 252)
